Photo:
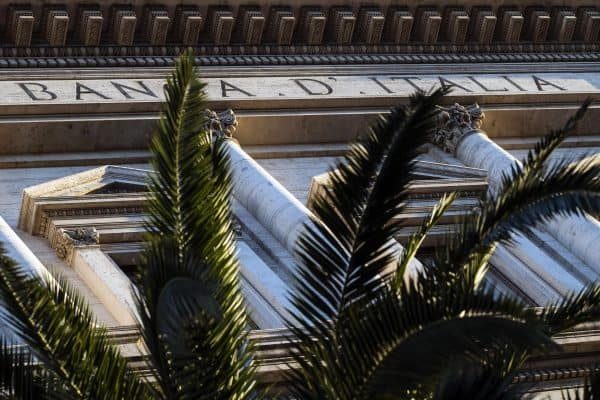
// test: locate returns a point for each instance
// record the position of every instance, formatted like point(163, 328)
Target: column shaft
point(17, 250)
point(579, 234)
point(271, 204)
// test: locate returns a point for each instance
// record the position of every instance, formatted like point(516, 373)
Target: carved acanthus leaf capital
point(221, 125)
point(454, 123)
point(69, 238)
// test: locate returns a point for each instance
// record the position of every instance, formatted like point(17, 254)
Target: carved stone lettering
point(227, 87)
point(313, 87)
point(37, 91)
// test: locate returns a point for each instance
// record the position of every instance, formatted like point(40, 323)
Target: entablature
point(109, 34)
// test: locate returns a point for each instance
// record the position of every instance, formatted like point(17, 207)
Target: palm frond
point(56, 324)
point(416, 239)
point(349, 246)
point(575, 309)
point(536, 158)
point(565, 189)
point(20, 377)
point(488, 378)
point(465, 339)
point(527, 197)
point(191, 247)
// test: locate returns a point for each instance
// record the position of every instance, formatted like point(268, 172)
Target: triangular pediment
point(93, 191)
point(431, 180)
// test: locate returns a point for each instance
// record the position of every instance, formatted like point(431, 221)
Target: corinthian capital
point(454, 123)
point(221, 124)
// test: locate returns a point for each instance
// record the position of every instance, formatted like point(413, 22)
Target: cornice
point(149, 34)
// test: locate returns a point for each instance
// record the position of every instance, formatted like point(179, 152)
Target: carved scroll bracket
point(454, 123)
point(221, 125)
point(68, 239)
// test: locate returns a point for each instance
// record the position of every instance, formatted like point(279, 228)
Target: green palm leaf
point(193, 314)
point(61, 331)
point(349, 247)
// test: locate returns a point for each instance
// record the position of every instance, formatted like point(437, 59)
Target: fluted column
point(460, 134)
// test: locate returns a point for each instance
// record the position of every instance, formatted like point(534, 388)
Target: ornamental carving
point(221, 125)
point(454, 123)
point(67, 239)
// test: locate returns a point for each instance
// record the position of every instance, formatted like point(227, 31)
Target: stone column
point(459, 133)
point(19, 252)
point(265, 198)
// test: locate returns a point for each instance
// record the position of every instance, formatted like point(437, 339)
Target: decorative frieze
point(90, 26)
point(371, 22)
point(281, 25)
point(341, 25)
point(123, 23)
point(454, 123)
point(588, 27)
point(251, 25)
point(399, 25)
point(19, 25)
point(156, 25)
point(312, 25)
point(188, 24)
point(456, 23)
point(428, 25)
point(563, 24)
point(537, 24)
point(220, 25)
point(55, 24)
point(510, 24)
point(482, 26)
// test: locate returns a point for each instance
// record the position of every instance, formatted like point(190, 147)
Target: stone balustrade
point(85, 24)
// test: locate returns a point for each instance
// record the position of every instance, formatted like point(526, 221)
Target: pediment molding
point(81, 195)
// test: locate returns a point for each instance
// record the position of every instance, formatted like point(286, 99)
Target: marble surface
point(295, 87)
point(13, 181)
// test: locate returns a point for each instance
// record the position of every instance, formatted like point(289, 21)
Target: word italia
point(293, 87)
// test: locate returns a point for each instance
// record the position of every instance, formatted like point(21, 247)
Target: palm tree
point(368, 331)
point(193, 319)
point(364, 330)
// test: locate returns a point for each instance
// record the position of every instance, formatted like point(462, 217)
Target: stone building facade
point(81, 88)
